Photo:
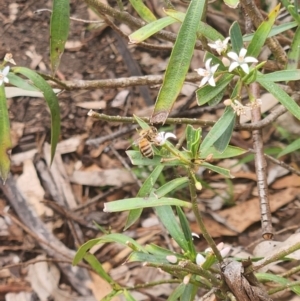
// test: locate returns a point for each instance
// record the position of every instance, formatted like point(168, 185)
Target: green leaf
point(115, 237)
point(282, 97)
point(149, 30)
point(204, 29)
point(137, 158)
point(177, 292)
point(232, 3)
point(193, 140)
point(97, 266)
point(295, 145)
point(187, 233)
point(169, 220)
point(223, 141)
point(59, 30)
point(262, 33)
point(143, 257)
point(179, 62)
point(229, 152)
point(145, 190)
point(294, 52)
point(5, 141)
point(134, 203)
point(274, 31)
point(157, 250)
point(51, 100)
point(218, 129)
point(20, 82)
point(236, 37)
point(189, 292)
point(208, 93)
point(171, 186)
point(292, 9)
point(143, 11)
point(278, 279)
point(280, 76)
point(128, 296)
point(222, 171)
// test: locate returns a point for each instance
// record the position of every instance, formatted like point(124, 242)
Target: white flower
point(239, 109)
point(200, 259)
point(9, 58)
point(241, 60)
point(208, 73)
point(219, 45)
point(162, 137)
point(3, 75)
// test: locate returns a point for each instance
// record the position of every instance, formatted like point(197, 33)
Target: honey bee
point(146, 140)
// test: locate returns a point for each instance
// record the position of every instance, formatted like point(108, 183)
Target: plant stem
point(198, 217)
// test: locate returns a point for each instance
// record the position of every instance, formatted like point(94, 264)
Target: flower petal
point(243, 52)
point(214, 68)
point(250, 59)
point(203, 81)
point(233, 66)
point(213, 46)
point(211, 81)
point(225, 42)
point(233, 56)
point(245, 68)
point(5, 71)
point(201, 71)
point(207, 64)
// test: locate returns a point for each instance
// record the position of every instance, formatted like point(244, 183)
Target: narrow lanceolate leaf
point(208, 93)
point(282, 97)
point(294, 53)
point(204, 29)
point(114, 237)
point(280, 76)
point(59, 30)
point(218, 129)
point(295, 145)
point(20, 83)
point(274, 31)
point(222, 143)
point(236, 37)
point(220, 170)
point(5, 142)
point(97, 266)
point(229, 152)
point(144, 191)
point(144, 12)
point(179, 62)
point(262, 33)
point(51, 100)
point(149, 30)
point(169, 220)
point(135, 203)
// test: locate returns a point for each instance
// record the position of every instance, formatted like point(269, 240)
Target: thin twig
point(128, 19)
point(280, 163)
point(254, 13)
point(261, 169)
point(199, 219)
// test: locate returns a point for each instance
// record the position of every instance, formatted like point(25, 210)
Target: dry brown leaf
point(100, 287)
point(245, 214)
point(214, 228)
point(288, 181)
point(112, 177)
point(30, 186)
point(92, 105)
